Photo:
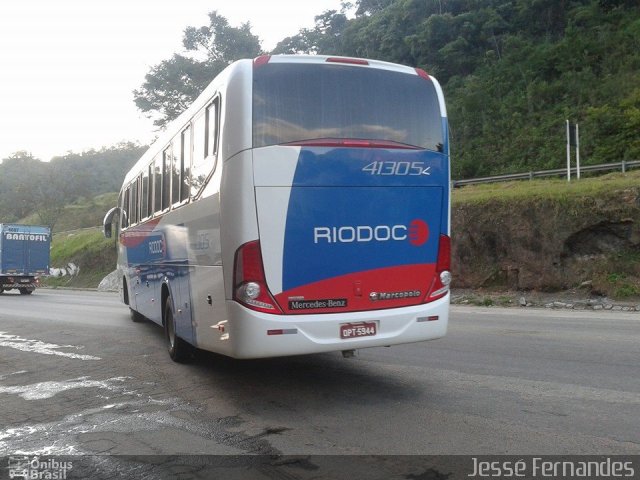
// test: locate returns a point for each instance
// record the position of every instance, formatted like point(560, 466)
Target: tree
point(29, 186)
point(324, 38)
point(18, 180)
point(171, 86)
point(369, 7)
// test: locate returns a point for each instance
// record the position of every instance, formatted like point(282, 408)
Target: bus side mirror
point(108, 220)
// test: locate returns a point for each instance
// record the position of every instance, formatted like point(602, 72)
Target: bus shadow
point(324, 381)
point(320, 380)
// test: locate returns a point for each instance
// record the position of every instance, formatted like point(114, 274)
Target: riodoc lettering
point(156, 247)
point(417, 232)
point(361, 233)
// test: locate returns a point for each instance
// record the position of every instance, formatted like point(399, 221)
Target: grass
point(530, 207)
point(546, 189)
point(89, 250)
point(84, 213)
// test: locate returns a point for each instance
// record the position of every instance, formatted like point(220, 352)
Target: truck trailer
point(24, 256)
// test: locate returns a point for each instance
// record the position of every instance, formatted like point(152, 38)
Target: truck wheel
point(179, 350)
point(26, 291)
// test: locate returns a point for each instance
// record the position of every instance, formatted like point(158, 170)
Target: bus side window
point(197, 166)
point(133, 203)
point(211, 138)
point(124, 209)
point(157, 185)
point(144, 195)
point(166, 177)
point(205, 146)
point(150, 191)
point(185, 163)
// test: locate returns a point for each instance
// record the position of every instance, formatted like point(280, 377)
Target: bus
point(300, 205)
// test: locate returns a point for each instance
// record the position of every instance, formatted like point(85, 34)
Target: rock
point(109, 283)
point(72, 269)
point(597, 307)
point(587, 284)
point(608, 306)
point(523, 302)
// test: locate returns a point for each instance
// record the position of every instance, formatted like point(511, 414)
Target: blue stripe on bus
point(333, 231)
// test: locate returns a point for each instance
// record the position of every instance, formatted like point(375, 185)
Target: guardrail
point(622, 166)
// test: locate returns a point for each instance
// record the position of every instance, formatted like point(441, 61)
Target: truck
point(24, 256)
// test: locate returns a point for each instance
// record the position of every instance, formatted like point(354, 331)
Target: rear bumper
point(248, 330)
point(11, 282)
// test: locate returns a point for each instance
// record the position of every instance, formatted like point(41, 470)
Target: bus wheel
point(26, 291)
point(179, 350)
point(136, 316)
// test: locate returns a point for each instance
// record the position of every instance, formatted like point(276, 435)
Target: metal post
point(578, 151)
point(568, 153)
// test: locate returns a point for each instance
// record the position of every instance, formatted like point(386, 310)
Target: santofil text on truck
point(24, 256)
point(300, 205)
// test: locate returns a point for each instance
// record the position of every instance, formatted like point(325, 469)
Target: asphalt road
point(78, 377)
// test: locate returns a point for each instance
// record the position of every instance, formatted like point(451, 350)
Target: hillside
point(512, 71)
point(78, 240)
point(548, 235)
point(37, 192)
point(542, 235)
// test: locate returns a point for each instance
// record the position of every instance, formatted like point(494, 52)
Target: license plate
point(25, 281)
point(362, 329)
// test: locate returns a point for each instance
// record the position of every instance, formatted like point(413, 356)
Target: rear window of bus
point(293, 102)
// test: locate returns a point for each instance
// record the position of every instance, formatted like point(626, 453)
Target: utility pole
point(577, 139)
point(568, 152)
point(573, 140)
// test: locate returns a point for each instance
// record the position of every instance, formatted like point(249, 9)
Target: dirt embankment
point(549, 244)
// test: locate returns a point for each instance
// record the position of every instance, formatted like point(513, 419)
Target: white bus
point(300, 205)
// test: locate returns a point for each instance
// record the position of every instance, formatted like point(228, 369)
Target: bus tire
point(136, 316)
point(125, 291)
point(179, 350)
point(26, 291)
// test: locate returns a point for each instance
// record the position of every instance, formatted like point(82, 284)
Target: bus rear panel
point(351, 179)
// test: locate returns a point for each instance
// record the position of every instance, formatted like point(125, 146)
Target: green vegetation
point(589, 189)
point(171, 86)
point(83, 213)
point(89, 250)
point(549, 235)
point(36, 192)
point(512, 70)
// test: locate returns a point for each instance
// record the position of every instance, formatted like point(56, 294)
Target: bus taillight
point(347, 60)
point(249, 282)
point(442, 279)
point(423, 74)
point(261, 60)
